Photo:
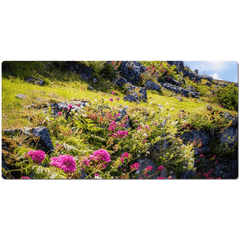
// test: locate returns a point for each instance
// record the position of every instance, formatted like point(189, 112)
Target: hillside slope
point(116, 120)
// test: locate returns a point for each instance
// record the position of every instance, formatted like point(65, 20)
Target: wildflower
point(160, 168)
point(111, 128)
point(78, 104)
point(219, 178)
point(113, 92)
point(101, 155)
point(118, 98)
point(155, 123)
point(160, 177)
point(135, 166)
point(70, 106)
point(64, 162)
point(147, 127)
point(144, 140)
point(24, 177)
point(122, 134)
point(169, 177)
point(126, 155)
point(148, 169)
point(111, 99)
point(37, 156)
point(96, 175)
point(123, 125)
point(138, 128)
point(59, 113)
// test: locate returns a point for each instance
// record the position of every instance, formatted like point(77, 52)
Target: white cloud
point(215, 76)
point(212, 65)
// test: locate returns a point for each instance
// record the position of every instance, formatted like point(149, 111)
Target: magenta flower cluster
point(23, 177)
point(64, 162)
point(124, 156)
point(37, 156)
point(101, 155)
point(135, 166)
point(120, 134)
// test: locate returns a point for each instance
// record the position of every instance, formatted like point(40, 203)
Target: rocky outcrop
point(131, 70)
point(41, 139)
point(152, 85)
point(198, 135)
point(77, 67)
point(180, 90)
point(120, 81)
point(123, 113)
point(33, 80)
point(135, 94)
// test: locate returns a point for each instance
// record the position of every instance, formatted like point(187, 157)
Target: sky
point(222, 70)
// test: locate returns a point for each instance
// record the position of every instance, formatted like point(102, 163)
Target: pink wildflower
point(111, 99)
point(70, 106)
point(102, 155)
point(160, 177)
point(147, 127)
point(135, 166)
point(78, 104)
point(118, 98)
point(111, 128)
point(59, 113)
point(169, 177)
point(122, 134)
point(37, 156)
point(148, 169)
point(24, 177)
point(113, 92)
point(64, 162)
point(155, 123)
point(96, 175)
point(160, 168)
point(123, 125)
point(144, 140)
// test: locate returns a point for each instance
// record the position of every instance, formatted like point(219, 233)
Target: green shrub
point(228, 97)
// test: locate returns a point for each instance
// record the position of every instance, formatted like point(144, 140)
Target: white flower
point(145, 135)
point(47, 118)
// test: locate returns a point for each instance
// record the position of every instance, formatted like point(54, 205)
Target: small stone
point(209, 107)
point(21, 96)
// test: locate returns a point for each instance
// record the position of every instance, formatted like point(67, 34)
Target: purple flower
point(37, 156)
point(101, 155)
point(111, 99)
point(135, 166)
point(70, 106)
point(23, 177)
point(64, 162)
point(59, 113)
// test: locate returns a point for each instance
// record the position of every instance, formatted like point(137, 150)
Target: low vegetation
point(94, 142)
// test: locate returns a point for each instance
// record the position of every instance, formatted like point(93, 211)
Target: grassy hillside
point(88, 131)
